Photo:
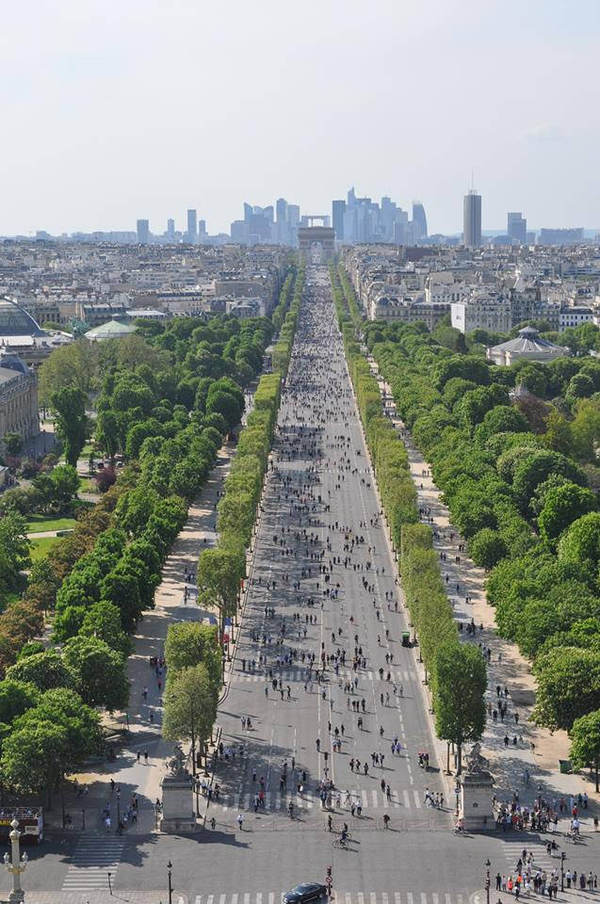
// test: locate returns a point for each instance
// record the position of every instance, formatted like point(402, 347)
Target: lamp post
point(457, 792)
point(169, 871)
point(562, 871)
point(487, 880)
point(15, 864)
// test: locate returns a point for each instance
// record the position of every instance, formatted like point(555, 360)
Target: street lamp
point(562, 870)
point(118, 811)
point(487, 880)
point(15, 864)
point(169, 870)
point(457, 792)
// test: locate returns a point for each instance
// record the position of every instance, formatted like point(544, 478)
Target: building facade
point(18, 398)
point(472, 219)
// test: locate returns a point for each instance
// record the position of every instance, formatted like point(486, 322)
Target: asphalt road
point(322, 584)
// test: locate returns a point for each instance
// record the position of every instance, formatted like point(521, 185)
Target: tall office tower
point(281, 213)
point(281, 206)
point(338, 209)
point(351, 197)
point(171, 230)
point(192, 226)
point(419, 221)
point(143, 231)
point(516, 227)
point(472, 219)
point(202, 231)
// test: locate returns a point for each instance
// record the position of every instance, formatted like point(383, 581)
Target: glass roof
point(14, 321)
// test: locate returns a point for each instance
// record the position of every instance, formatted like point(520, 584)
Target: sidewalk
point(141, 762)
point(130, 771)
point(537, 750)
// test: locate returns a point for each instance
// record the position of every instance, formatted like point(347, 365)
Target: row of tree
point(456, 672)
point(166, 402)
point(528, 508)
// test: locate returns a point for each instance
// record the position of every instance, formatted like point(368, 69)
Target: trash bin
point(565, 766)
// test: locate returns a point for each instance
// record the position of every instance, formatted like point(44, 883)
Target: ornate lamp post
point(15, 864)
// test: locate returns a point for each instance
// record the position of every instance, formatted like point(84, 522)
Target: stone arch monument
point(311, 237)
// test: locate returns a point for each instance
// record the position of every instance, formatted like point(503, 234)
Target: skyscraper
point(516, 227)
point(338, 209)
point(419, 221)
point(171, 230)
point(472, 219)
point(192, 226)
point(143, 231)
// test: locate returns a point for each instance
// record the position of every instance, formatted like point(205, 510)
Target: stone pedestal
point(178, 805)
point(476, 794)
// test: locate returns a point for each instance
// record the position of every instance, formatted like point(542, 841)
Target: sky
point(112, 110)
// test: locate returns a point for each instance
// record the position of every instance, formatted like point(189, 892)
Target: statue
point(177, 763)
point(476, 762)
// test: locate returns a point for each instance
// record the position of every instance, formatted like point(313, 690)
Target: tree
point(81, 723)
point(107, 433)
point(13, 443)
point(220, 571)
point(44, 670)
point(14, 549)
point(103, 620)
point(190, 706)
point(562, 506)
point(68, 405)
point(585, 743)
point(460, 682)
point(568, 686)
point(32, 758)
point(73, 365)
point(537, 467)
point(581, 541)
point(191, 643)
point(487, 547)
point(65, 483)
point(98, 673)
point(15, 698)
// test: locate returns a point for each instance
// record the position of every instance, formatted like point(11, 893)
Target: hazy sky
point(117, 109)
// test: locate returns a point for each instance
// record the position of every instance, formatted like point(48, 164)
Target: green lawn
point(43, 546)
point(38, 523)
point(88, 485)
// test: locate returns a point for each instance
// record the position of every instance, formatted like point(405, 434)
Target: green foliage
point(98, 673)
point(14, 550)
point(190, 705)
point(563, 505)
point(568, 686)
point(191, 643)
point(585, 742)
point(487, 548)
point(460, 682)
point(71, 421)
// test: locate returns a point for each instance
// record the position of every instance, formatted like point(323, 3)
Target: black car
point(307, 891)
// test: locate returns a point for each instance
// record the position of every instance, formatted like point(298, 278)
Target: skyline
point(188, 107)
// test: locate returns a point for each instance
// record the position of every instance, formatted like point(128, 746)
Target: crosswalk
point(541, 859)
point(340, 897)
point(93, 859)
point(408, 799)
point(296, 675)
